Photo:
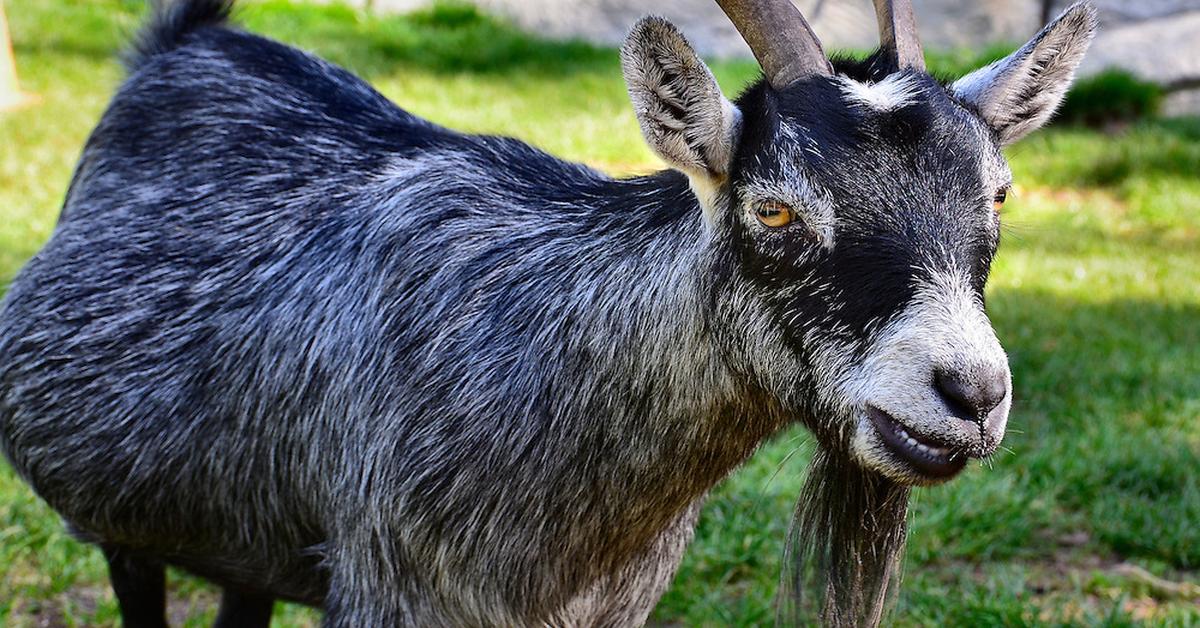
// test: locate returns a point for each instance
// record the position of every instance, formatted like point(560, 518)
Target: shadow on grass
point(1125, 354)
point(1160, 157)
point(1147, 241)
point(1150, 150)
point(1107, 396)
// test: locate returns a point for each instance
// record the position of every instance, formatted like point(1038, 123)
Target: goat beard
point(841, 563)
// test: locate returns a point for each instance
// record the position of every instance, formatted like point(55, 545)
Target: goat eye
point(774, 215)
point(998, 200)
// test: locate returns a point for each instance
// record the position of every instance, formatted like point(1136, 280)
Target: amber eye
point(774, 215)
point(998, 200)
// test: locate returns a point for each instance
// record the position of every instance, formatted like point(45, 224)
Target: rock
point(841, 24)
point(1158, 40)
point(1165, 50)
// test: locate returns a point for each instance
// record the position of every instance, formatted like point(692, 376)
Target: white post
point(10, 93)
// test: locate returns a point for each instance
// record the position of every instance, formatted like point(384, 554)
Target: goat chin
point(842, 558)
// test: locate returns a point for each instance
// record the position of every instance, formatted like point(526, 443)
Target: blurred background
point(1157, 40)
point(1090, 515)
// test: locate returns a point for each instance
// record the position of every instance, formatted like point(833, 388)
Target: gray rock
point(840, 23)
point(1158, 40)
point(1165, 50)
point(1121, 11)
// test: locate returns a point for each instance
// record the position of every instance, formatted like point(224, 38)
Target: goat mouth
point(928, 457)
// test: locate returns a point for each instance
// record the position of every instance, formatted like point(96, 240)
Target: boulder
point(1158, 40)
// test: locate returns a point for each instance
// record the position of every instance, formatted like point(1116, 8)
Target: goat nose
point(972, 394)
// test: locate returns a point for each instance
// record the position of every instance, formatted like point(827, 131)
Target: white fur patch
point(894, 92)
point(713, 192)
point(944, 327)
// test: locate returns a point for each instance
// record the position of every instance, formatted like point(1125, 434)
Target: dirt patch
point(1073, 583)
point(76, 603)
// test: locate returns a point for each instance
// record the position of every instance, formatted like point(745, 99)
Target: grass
point(1096, 295)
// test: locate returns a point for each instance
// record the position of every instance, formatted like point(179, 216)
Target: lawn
point(1090, 516)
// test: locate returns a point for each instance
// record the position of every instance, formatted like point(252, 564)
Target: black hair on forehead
point(929, 152)
point(871, 69)
point(820, 109)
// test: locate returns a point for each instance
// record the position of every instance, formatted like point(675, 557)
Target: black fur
point(170, 24)
point(139, 583)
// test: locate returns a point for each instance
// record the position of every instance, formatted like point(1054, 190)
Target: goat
point(297, 341)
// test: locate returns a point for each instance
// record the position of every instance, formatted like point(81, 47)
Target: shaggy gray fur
point(311, 347)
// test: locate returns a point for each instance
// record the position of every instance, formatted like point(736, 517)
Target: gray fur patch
point(1018, 94)
point(679, 106)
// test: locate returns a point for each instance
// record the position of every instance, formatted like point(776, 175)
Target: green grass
point(1111, 97)
point(1096, 295)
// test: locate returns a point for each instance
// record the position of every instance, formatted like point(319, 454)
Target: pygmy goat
point(306, 345)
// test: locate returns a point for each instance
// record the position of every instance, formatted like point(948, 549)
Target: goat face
point(855, 216)
point(874, 275)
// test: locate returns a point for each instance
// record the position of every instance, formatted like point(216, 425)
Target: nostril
point(995, 389)
point(971, 395)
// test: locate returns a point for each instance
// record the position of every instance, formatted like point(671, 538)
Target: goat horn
point(898, 33)
point(780, 38)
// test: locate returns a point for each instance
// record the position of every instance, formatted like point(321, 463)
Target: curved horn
point(780, 38)
point(898, 32)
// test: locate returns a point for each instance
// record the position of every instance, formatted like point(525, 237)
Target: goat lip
point(928, 458)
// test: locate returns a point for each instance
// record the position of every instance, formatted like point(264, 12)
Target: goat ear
point(1018, 94)
point(683, 115)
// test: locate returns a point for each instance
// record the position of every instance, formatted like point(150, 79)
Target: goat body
point(311, 347)
point(286, 335)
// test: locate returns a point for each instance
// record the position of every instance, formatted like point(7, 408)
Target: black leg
point(141, 587)
point(244, 610)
